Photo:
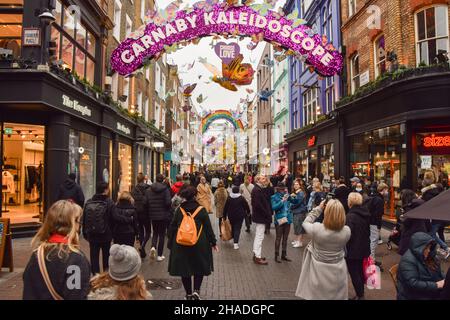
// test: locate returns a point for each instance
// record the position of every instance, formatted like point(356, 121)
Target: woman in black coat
point(410, 226)
point(419, 275)
point(358, 247)
point(125, 232)
point(236, 209)
point(196, 261)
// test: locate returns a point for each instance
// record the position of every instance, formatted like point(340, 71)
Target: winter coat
point(281, 208)
point(196, 260)
point(376, 209)
point(204, 196)
point(261, 207)
point(107, 236)
point(246, 192)
point(125, 210)
point(34, 287)
point(415, 280)
point(299, 205)
point(70, 190)
point(358, 247)
point(430, 192)
point(176, 187)
point(109, 293)
point(236, 208)
point(220, 198)
point(138, 194)
point(341, 193)
point(324, 271)
point(158, 202)
point(411, 226)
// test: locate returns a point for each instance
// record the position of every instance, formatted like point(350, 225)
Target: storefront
point(316, 153)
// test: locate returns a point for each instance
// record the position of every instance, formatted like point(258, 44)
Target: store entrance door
point(22, 172)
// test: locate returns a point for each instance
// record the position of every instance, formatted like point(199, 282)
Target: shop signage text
point(158, 144)
point(364, 78)
point(434, 141)
point(425, 162)
point(31, 37)
point(312, 141)
point(123, 128)
point(75, 105)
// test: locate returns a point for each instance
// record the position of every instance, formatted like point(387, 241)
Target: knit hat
point(124, 262)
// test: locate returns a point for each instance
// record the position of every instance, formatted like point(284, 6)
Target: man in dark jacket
point(376, 209)
point(70, 190)
point(341, 193)
point(144, 223)
point(419, 275)
point(97, 226)
point(358, 247)
point(158, 203)
point(261, 216)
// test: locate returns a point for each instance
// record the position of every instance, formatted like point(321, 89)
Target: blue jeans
point(434, 229)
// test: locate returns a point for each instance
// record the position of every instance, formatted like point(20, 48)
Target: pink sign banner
point(223, 20)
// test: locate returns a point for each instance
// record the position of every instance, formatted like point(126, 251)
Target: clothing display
point(8, 183)
point(33, 178)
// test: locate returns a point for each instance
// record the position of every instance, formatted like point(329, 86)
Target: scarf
point(58, 238)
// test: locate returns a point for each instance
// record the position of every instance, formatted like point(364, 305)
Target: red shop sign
point(312, 141)
point(434, 141)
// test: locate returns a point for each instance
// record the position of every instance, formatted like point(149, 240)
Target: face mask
point(358, 189)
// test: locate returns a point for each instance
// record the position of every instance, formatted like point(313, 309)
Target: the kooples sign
point(76, 106)
point(123, 128)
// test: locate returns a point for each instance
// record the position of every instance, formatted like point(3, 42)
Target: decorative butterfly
point(199, 77)
point(257, 38)
point(201, 99)
point(264, 95)
point(311, 69)
point(136, 34)
point(295, 18)
point(236, 32)
point(190, 66)
point(235, 73)
point(188, 89)
point(195, 41)
point(324, 40)
point(168, 94)
point(202, 60)
point(207, 5)
point(249, 91)
point(262, 8)
point(171, 49)
point(330, 47)
point(252, 46)
point(280, 57)
point(187, 108)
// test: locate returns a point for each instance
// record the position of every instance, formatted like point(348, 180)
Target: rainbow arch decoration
point(220, 115)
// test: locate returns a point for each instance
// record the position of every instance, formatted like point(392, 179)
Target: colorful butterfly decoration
point(249, 91)
point(207, 5)
point(188, 89)
point(295, 17)
point(262, 8)
point(168, 94)
point(252, 46)
point(257, 38)
point(264, 95)
point(187, 108)
point(171, 49)
point(201, 99)
point(233, 74)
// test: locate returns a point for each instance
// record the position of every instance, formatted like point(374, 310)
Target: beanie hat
point(124, 262)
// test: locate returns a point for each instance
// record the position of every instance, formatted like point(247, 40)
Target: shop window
point(330, 94)
point(432, 34)
point(67, 52)
point(11, 27)
point(23, 175)
point(142, 10)
point(82, 160)
point(117, 19)
point(80, 59)
point(354, 72)
point(327, 162)
point(310, 105)
point(380, 56)
point(125, 167)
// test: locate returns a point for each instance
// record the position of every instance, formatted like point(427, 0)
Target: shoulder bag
point(44, 273)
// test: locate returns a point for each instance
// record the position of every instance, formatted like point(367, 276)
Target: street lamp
point(46, 18)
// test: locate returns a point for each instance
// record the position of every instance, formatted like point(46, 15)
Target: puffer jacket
point(358, 247)
point(430, 192)
point(138, 194)
point(261, 208)
point(125, 211)
point(281, 208)
point(158, 202)
point(176, 187)
point(415, 280)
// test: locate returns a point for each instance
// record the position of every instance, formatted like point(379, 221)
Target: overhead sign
point(435, 141)
point(31, 37)
point(312, 141)
point(425, 162)
point(364, 78)
point(158, 144)
point(162, 32)
point(123, 128)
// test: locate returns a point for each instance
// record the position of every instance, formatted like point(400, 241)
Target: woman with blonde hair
point(122, 281)
point(57, 269)
point(125, 220)
point(324, 272)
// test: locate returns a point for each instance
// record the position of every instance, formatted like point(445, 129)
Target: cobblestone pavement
point(235, 275)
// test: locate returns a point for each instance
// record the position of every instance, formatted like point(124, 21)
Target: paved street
point(235, 276)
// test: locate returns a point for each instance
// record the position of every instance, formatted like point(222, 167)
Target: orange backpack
point(187, 231)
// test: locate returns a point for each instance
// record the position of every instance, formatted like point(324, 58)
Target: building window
point(117, 19)
point(140, 102)
point(354, 72)
point(330, 94)
point(145, 115)
point(327, 22)
point(431, 34)
point(305, 6)
point(126, 92)
point(294, 114)
point(310, 105)
point(115, 86)
point(75, 43)
point(11, 28)
point(142, 10)
point(380, 56)
point(129, 26)
point(351, 7)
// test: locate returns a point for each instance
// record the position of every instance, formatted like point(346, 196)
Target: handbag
point(225, 229)
point(282, 221)
point(44, 273)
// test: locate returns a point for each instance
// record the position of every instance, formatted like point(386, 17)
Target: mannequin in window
point(8, 183)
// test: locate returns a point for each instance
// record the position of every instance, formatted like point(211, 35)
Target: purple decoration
point(131, 53)
point(227, 52)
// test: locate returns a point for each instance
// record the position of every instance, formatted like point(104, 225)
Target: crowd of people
point(343, 224)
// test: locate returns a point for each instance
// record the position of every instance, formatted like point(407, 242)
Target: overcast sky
point(217, 97)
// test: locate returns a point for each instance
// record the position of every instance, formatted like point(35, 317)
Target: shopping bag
point(372, 274)
point(225, 229)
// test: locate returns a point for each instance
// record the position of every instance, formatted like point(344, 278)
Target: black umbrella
point(437, 208)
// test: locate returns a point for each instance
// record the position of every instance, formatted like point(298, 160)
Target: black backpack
point(95, 217)
point(139, 199)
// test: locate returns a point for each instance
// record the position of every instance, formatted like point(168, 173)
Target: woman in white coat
point(324, 272)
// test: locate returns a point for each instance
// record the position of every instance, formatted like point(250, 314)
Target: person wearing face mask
point(376, 209)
